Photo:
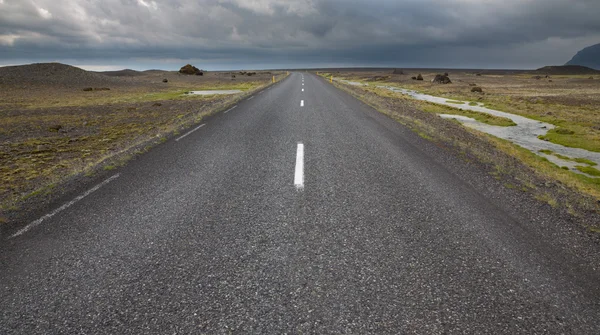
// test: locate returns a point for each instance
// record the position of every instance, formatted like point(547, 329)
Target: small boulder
point(477, 89)
point(190, 69)
point(397, 71)
point(419, 77)
point(165, 80)
point(478, 74)
point(157, 104)
point(88, 89)
point(441, 79)
point(413, 78)
point(55, 128)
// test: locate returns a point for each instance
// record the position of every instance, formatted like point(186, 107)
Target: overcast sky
point(244, 34)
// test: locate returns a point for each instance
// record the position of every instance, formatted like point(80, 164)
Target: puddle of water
point(211, 92)
point(524, 134)
point(354, 83)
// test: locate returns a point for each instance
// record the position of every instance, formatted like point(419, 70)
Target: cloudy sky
point(243, 34)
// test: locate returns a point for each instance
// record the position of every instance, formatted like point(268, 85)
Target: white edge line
point(64, 206)
point(299, 174)
point(252, 97)
point(227, 111)
point(189, 132)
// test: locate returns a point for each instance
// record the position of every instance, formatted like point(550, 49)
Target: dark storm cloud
point(348, 32)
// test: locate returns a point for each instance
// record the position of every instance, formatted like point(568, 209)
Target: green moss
point(481, 117)
point(575, 137)
point(585, 161)
point(566, 158)
point(589, 170)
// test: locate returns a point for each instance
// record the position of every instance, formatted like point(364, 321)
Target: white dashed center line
point(63, 207)
point(299, 175)
point(301, 103)
point(191, 131)
point(302, 90)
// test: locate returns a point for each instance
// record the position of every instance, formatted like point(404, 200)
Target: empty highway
point(299, 211)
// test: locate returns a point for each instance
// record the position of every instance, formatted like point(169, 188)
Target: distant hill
point(53, 74)
point(156, 72)
point(122, 73)
point(565, 69)
point(589, 57)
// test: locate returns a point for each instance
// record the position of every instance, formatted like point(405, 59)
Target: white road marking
point(189, 132)
point(252, 97)
point(299, 175)
point(302, 90)
point(63, 207)
point(301, 103)
point(227, 111)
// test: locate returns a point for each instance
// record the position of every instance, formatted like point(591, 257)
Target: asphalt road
point(230, 229)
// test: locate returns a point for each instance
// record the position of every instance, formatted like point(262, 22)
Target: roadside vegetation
point(518, 167)
point(569, 102)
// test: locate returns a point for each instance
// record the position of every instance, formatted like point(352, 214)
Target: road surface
point(301, 210)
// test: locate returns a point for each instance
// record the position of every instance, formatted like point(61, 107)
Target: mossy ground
point(569, 101)
point(43, 142)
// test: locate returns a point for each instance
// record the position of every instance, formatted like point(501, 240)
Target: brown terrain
point(59, 122)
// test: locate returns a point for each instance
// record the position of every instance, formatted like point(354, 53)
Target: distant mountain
point(589, 57)
point(566, 69)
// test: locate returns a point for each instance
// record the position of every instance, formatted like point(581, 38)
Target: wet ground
point(525, 133)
